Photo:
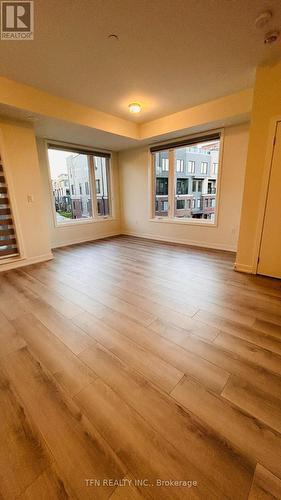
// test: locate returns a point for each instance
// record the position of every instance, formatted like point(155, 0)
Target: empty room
point(140, 249)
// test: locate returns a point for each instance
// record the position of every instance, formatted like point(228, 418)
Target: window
point(197, 186)
point(212, 187)
point(191, 183)
point(72, 176)
point(161, 186)
point(97, 186)
point(182, 186)
point(204, 167)
point(180, 166)
point(191, 167)
point(165, 206)
point(180, 204)
point(165, 164)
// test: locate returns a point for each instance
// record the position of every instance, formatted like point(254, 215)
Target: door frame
point(264, 189)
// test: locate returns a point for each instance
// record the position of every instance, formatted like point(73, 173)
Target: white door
point(270, 251)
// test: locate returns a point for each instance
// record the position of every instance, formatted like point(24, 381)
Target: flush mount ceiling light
point(135, 107)
point(271, 37)
point(113, 37)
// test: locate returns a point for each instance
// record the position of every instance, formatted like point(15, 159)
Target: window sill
point(184, 222)
point(75, 223)
point(12, 258)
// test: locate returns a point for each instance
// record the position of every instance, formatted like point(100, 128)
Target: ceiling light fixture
point(135, 107)
point(113, 37)
point(271, 37)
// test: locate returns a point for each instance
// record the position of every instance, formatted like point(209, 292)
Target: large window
point(192, 168)
point(80, 184)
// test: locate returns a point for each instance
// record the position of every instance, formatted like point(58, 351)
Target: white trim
point(179, 220)
point(194, 243)
point(85, 240)
point(80, 222)
point(264, 189)
point(26, 262)
point(243, 268)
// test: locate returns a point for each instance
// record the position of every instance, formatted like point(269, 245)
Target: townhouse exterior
point(196, 170)
point(72, 190)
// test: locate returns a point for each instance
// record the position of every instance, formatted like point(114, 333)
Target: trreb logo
point(17, 20)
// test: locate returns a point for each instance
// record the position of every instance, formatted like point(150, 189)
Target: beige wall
point(135, 210)
point(266, 109)
point(85, 231)
point(27, 174)
point(19, 153)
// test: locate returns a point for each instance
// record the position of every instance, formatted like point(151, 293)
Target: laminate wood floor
point(134, 369)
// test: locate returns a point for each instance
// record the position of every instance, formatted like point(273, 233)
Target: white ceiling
point(171, 54)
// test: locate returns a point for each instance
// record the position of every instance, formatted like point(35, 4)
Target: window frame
point(79, 149)
point(171, 219)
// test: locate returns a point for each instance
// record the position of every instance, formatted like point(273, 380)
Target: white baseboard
point(212, 246)
point(243, 268)
point(85, 240)
point(26, 262)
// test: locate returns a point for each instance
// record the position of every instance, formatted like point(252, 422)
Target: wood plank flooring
point(135, 369)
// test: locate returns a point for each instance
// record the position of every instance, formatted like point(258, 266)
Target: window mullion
point(171, 189)
point(93, 184)
point(152, 185)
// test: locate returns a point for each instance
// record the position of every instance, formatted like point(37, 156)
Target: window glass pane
point(196, 171)
point(182, 186)
point(161, 189)
point(180, 204)
point(102, 185)
point(70, 176)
